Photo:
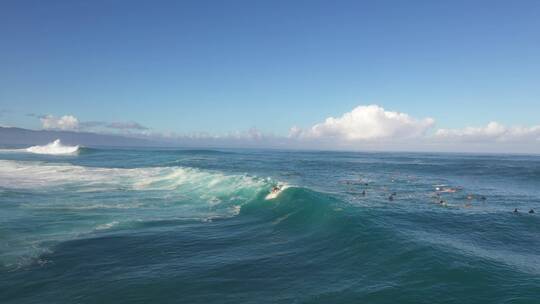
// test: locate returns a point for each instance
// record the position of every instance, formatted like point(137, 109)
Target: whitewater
point(81, 225)
point(54, 148)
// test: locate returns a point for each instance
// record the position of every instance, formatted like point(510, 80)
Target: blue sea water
point(199, 226)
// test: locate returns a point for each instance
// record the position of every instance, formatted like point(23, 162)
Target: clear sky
point(224, 66)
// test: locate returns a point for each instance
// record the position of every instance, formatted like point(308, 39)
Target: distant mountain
point(19, 136)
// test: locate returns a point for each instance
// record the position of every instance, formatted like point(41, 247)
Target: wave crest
point(54, 148)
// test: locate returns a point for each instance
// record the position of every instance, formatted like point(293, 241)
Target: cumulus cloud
point(492, 132)
point(368, 127)
point(66, 122)
point(366, 123)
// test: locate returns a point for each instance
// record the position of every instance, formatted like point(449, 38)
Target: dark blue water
point(198, 226)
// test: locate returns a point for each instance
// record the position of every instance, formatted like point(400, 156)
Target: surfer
point(275, 191)
point(364, 193)
point(391, 198)
point(515, 211)
point(531, 211)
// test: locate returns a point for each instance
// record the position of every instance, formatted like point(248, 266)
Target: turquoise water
point(197, 226)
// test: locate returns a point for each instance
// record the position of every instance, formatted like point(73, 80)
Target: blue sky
point(224, 66)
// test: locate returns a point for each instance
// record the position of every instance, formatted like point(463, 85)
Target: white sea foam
point(210, 186)
point(54, 148)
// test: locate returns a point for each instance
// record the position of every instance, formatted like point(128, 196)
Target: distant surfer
point(391, 198)
point(516, 211)
point(531, 211)
point(364, 193)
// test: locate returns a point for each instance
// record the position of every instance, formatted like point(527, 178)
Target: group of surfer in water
point(439, 189)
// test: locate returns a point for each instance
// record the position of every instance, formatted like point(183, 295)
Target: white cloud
point(492, 132)
point(366, 123)
point(66, 122)
point(368, 127)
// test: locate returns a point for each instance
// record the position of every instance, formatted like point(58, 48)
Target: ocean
point(101, 225)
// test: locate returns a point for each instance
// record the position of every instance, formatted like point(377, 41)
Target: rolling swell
point(125, 226)
point(323, 236)
point(301, 233)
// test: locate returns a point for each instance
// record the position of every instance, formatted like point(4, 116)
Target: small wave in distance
point(54, 148)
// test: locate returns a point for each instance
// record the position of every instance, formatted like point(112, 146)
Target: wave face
point(124, 226)
point(54, 148)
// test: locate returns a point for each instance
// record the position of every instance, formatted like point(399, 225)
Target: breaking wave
point(88, 200)
point(54, 148)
